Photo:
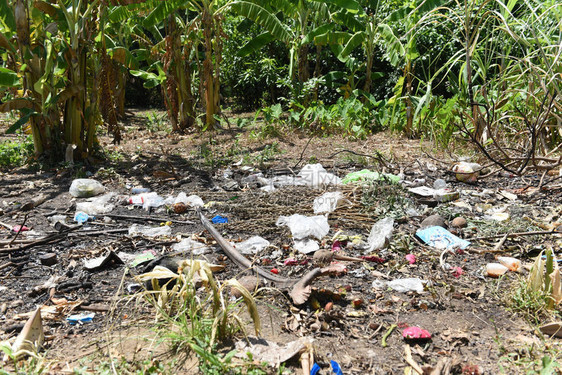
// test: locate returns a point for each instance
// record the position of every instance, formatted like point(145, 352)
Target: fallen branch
point(300, 288)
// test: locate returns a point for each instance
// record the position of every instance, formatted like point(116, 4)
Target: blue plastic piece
point(219, 220)
point(336, 368)
point(81, 217)
point(315, 369)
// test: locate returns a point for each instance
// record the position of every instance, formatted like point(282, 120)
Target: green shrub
point(15, 153)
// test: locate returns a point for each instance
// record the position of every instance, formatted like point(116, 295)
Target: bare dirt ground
point(472, 318)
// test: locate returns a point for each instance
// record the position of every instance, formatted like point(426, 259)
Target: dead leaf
point(31, 337)
point(552, 329)
point(271, 352)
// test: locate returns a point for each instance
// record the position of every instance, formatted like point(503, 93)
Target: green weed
point(15, 153)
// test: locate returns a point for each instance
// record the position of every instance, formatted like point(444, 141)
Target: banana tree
point(294, 22)
point(47, 45)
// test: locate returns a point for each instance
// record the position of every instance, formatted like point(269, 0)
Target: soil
point(474, 326)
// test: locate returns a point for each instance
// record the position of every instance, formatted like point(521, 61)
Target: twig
point(20, 229)
point(146, 218)
point(303, 151)
point(411, 361)
point(517, 234)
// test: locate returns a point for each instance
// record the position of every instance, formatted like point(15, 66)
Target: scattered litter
point(305, 226)
point(133, 288)
point(134, 260)
point(495, 269)
point(192, 200)
point(103, 261)
point(415, 333)
point(57, 219)
point(139, 190)
point(380, 234)
point(306, 246)
point(440, 195)
point(143, 230)
point(19, 228)
point(327, 202)
point(512, 264)
point(252, 245)
point(439, 184)
point(81, 217)
point(336, 369)
point(80, 318)
point(188, 244)
point(401, 285)
point(84, 188)
point(497, 216)
point(315, 175)
point(219, 220)
point(441, 238)
point(97, 206)
point(367, 175)
point(411, 258)
point(467, 172)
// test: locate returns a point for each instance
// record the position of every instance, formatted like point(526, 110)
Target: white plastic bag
point(380, 235)
point(85, 187)
point(143, 230)
point(305, 226)
point(316, 176)
point(187, 244)
point(252, 245)
point(327, 202)
point(97, 206)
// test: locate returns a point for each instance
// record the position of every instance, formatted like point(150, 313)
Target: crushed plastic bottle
point(380, 234)
point(85, 187)
point(143, 230)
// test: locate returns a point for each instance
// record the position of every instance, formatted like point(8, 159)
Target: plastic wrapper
point(441, 238)
point(305, 226)
point(327, 202)
point(380, 234)
point(85, 187)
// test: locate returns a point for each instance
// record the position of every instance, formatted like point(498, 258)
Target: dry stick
point(145, 218)
point(303, 150)
point(410, 360)
point(20, 229)
point(41, 241)
point(518, 234)
point(542, 179)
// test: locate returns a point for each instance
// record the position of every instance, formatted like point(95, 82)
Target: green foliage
point(14, 153)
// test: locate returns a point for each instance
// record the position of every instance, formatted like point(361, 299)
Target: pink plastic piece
point(411, 258)
point(19, 228)
point(457, 272)
point(415, 333)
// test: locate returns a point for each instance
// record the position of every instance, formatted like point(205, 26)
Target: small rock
point(249, 282)
point(433, 221)
point(322, 257)
point(49, 259)
point(459, 222)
